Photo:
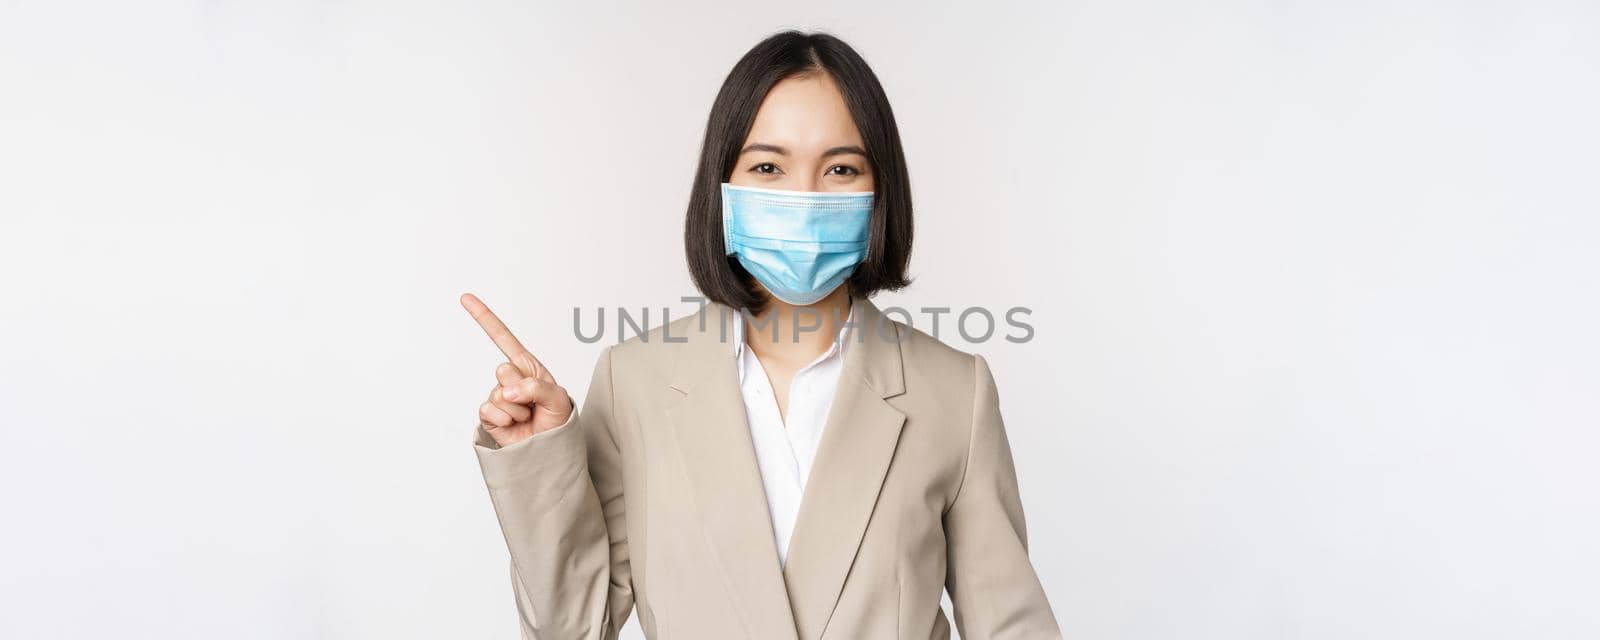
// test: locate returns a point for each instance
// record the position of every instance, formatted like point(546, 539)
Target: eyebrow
point(844, 150)
point(762, 146)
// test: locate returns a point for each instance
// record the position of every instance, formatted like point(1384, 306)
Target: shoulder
point(658, 342)
point(925, 353)
point(942, 374)
point(650, 356)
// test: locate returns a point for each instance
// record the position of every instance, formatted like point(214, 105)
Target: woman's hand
point(525, 401)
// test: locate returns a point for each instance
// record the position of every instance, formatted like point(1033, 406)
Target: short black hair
point(719, 276)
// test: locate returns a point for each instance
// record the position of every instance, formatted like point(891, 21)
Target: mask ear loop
point(872, 220)
point(727, 215)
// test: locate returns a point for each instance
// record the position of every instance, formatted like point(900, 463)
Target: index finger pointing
point(508, 344)
point(496, 329)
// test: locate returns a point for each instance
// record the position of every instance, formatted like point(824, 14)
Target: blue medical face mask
point(800, 245)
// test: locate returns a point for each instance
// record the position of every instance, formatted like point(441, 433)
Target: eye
point(766, 168)
point(843, 170)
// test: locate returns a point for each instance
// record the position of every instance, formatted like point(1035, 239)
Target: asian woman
point(787, 463)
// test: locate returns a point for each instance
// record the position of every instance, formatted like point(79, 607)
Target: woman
point(787, 463)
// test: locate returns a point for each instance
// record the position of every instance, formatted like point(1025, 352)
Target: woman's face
point(804, 139)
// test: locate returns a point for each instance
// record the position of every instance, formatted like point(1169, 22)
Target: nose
point(803, 183)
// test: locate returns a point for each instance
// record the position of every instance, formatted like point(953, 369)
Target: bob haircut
point(785, 55)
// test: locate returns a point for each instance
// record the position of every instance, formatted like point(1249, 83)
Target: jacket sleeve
point(991, 581)
point(558, 496)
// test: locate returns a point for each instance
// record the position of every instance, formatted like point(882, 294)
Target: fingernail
point(510, 393)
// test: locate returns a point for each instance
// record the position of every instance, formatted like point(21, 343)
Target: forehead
point(805, 113)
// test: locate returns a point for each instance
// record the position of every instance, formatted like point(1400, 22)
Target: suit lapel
point(858, 442)
point(713, 437)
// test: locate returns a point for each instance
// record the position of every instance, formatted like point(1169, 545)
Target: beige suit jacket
point(650, 496)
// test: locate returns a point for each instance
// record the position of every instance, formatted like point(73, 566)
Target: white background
point(1315, 290)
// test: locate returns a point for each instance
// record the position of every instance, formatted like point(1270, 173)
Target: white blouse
point(786, 447)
